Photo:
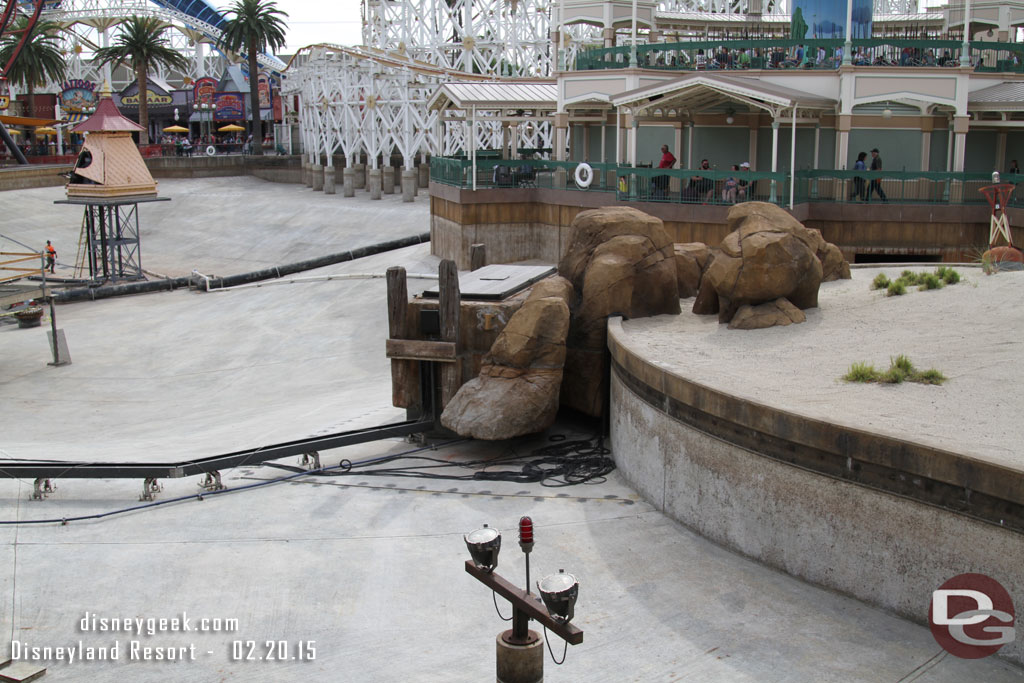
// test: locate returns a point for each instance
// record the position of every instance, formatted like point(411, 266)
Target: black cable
point(562, 463)
point(494, 597)
point(565, 648)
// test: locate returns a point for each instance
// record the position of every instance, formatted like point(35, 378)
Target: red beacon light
point(526, 534)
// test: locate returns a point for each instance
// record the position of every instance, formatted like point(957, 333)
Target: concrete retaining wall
point(25, 177)
point(497, 217)
point(884, 549)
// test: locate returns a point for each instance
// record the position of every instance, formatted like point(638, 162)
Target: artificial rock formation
point(1004, 258)
point(517, 390)
point(620, 261)
point(768, 255)
point(691, 260)
point(778, 312)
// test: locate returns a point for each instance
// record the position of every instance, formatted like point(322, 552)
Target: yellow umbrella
point(46, 130)
point(230, 128)
point(14, 131)
point(175, 129)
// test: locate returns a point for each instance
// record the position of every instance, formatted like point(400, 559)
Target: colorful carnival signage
point(5, 94)
point(264, 87)
point(204, 89)
point(228, 106)
point(151, 99)
point(77, 95)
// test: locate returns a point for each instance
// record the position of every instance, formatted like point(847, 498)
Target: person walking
point(876, 183)
point(51, 256)
point(858, 181)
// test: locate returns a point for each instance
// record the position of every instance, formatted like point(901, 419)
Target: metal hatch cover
point(496, 282)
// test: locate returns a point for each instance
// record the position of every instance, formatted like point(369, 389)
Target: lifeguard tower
point(111, 179)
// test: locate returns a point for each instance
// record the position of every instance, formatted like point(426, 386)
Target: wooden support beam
point(418, 349)
point(403, 372)
point(449, 303)
point(530, 603)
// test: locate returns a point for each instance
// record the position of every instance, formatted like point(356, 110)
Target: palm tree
point(40, 59)
point(255, 27)
point(141, 44)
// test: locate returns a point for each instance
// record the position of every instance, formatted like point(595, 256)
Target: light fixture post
point(520, 651)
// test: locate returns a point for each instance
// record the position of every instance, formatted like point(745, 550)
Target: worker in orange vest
point(51, 256)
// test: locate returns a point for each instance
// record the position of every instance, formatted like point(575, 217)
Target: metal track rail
point(136, 470)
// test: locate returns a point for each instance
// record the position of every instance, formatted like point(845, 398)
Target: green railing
point(709, 55)
point(696, 186)
point(902, 187)
point(527, 173)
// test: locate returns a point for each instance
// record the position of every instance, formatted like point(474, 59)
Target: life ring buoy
point(210, 150)
point(584, 175)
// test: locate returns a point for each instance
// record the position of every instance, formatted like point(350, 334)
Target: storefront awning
point(26, 121)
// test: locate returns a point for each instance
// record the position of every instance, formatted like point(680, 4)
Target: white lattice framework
point(413, 46)
point(357, 101)
point(495, 37)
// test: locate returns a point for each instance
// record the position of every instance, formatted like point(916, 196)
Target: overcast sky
point(321, 21)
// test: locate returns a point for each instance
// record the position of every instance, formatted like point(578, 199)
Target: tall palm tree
point(256, 26)
point(40, 59)
point(141, 44)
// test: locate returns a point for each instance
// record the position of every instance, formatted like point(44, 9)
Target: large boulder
point(1002, 258)
point(768, 255)
point(620, 261)
point(517, 390)
point(778, 312)
point(833, 265)
point(691, 259)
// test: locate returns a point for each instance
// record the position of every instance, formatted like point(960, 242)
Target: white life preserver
point(210, 150)
point(584, 175)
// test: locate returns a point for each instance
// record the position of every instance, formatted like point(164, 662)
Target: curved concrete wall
point(888, 550)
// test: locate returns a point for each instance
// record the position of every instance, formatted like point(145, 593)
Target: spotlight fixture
point(887, 113)
point(484, 545)
point(559, 592)
point(729, 116)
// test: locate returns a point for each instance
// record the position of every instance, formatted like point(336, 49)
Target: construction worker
point(51, 256)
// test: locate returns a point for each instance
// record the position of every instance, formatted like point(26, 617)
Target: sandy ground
point(970, 331)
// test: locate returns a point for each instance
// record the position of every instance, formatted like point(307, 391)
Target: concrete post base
point(329, 180)
point(424, 175)
point(360, 177)
point(348, 182)
point(409, 181)
point(316, 172)
point(387, 180)
point(374, 183)
point(305, 172)
point(520, 663)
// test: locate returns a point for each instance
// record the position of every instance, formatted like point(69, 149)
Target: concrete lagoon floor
point(359, 575)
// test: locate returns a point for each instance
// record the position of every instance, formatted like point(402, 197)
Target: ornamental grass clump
point(942, 276)
point(896, 288)
point(861, 372)
point(900, 370)
point(930, 281)
point(881, 281)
